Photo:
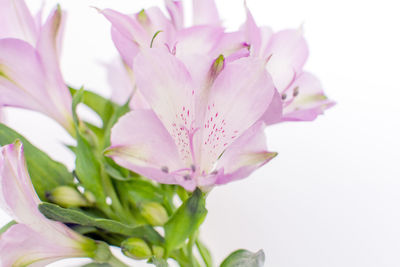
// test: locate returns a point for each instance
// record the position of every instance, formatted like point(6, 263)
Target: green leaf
point(205, 253)
point(185, 221)
point(102, 106)
point(88, 167)
point(244, 258)
point(6, 227)
point(140, 191)
point(54, 212)
point(158, 262)
point(46, 173)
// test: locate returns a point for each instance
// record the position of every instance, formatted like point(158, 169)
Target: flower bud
point(67, 196)
point(158, 251)
point(154, 213)
point(90, 197)
point(136, 248)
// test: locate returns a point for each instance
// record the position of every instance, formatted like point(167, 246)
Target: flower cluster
point(191, 115)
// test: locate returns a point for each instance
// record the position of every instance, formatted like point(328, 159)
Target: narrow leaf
point(54, 212)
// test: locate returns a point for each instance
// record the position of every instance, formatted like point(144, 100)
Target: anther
point(284, 96)
point(165, 169)
point(296, 91)
point(193, 167)
point(187, 177)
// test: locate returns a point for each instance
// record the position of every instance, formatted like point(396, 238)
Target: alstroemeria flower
point(151, 27)
point(30, 75)
point(34, 240)
point(192, 134)
point(286, 52)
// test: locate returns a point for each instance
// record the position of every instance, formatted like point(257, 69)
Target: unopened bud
point(67, 196)
point(154, 213)
point(158, 251)
point(136, 248)
point(90, 197)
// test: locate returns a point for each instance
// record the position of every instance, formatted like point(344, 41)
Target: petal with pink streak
point(205, 12)
point(140, 142)
point(238, 98)
point(17, 22)
point(245, 155)
point(168, 88)
point(305, 99)
point(287, 52)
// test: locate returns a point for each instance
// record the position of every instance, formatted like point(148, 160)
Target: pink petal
point(19, 199)
point(245, 155)
point(125, 46)
point(198, 40)
point(20, 245)
point(140, 142)
point(127, 26)
point(274, 112)
point(121, 81)
point(205, 12)
point(309, 100)
point(240, 95)
point(17, 22)
point(49, 49)
point(287, 52)
point(17, 196)
point(168, 88)
point(175, 10)
point(22, 78)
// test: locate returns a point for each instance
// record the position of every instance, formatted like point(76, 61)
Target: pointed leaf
point(54, 212)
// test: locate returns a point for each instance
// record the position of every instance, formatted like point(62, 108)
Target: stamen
point(187, 177)
point(165, 169)
point(296, 91)
point(284, 96)
point(193, 167)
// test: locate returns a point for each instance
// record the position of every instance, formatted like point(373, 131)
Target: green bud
point(67, 196)
point(90, 197)
point(136, 248)
point(154, 213)
point(158, 251)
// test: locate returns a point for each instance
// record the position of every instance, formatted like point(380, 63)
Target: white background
point(331, 198)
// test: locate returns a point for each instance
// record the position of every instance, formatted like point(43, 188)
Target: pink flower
point(152, 28)
point(203, 126)
point(286, 52)
point(34, 239)
point(30, 75)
